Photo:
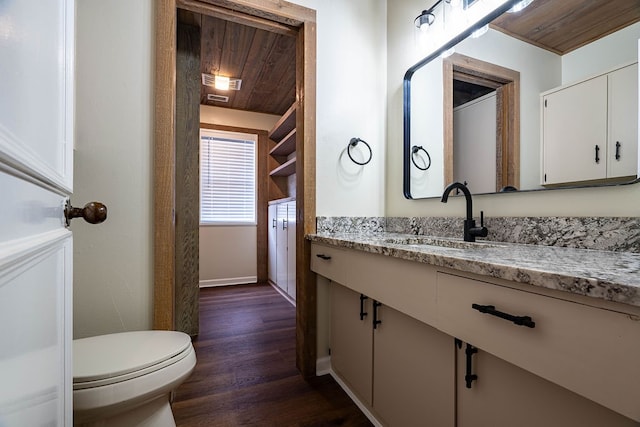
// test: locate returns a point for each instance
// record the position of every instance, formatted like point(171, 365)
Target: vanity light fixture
point(520, 6)
point(427, 17)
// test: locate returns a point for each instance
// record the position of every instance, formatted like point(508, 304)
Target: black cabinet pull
point(323, 256)
point(518, 320)
point(597, 154)
point(618, 150)
point(469, 377)
point(376, 322)
point(362, 312)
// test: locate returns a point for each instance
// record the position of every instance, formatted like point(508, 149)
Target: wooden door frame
point(279, 16)
point(506, 82)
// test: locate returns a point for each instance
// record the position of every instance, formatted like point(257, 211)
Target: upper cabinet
point(282, 156)
point(589, 129)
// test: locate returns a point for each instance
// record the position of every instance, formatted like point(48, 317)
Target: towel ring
point(414, 150)
point(352, 143)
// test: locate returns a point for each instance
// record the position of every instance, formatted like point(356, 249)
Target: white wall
point(403, 51)
point(112, 287)
point(228, 254)
point(616, 49)
point(351, 102)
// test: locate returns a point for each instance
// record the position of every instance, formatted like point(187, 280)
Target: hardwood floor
point(246, 374)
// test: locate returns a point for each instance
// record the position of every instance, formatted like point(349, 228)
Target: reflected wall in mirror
point(480, 114)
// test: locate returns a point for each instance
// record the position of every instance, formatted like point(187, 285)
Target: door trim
point(164, 178)
point(507, 85)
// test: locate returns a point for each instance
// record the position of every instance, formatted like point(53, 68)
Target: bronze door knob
point(92, 212)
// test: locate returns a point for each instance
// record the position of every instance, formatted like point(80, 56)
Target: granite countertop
point(607, 275)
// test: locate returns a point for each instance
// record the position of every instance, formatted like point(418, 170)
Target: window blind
point(227, 179)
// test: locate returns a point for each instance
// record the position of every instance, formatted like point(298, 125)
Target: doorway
point(281, 17)
point(472, 79)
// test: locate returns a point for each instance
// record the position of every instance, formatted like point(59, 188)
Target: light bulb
point(222, 82)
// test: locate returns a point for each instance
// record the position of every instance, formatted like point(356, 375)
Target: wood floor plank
point(246, 374)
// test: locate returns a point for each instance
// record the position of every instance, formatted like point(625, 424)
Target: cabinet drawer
point(330, 262)
point(591, 351)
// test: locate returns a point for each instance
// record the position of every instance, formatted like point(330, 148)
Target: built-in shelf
point(285, 169)
point(286, 146)
point(286, 123)
point(283, 149)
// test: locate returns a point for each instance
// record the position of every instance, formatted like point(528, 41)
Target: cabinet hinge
point(545, 103)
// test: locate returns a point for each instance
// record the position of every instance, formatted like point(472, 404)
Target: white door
point(36, 148)
point(273, 225)
point(281, 246)
point(474, 144)
point(291, 249)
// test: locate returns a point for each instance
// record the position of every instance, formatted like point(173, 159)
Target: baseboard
point(228, 281)
point(323, 366)
point(283, 293)
point(367, 413)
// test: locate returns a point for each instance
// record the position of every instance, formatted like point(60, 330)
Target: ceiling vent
point(210, 80)
point(217, 98)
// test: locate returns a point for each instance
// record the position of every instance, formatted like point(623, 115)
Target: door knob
point(92, 212)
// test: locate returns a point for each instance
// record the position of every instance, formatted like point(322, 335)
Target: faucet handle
point(481, 218)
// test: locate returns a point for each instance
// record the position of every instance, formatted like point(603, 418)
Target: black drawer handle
point(323, 256)
point(518, 320)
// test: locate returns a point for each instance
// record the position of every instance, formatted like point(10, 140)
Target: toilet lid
point(114, 355)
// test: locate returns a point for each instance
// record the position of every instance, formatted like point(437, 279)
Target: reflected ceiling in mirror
point(479, 115)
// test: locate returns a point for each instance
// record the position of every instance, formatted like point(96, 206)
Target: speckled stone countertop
point(608, 275)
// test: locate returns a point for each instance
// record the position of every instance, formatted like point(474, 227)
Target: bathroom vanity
point(436, 331)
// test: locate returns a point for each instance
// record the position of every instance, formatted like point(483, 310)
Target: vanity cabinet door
point(352, 341)
point(574, 123)
point(506, 395)
point(413, 372)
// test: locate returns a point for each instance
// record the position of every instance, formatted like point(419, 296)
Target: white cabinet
point(273, 228)
point(622, 154)
point(400, 368)
point(282, 246)
point(590, 129)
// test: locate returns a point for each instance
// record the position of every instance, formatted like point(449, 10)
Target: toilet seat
point(110, 359)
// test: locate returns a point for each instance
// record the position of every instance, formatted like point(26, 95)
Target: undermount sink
point(440, 242)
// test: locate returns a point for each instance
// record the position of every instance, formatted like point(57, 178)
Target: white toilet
point(126, 379)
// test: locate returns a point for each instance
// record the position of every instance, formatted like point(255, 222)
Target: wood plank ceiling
point(563, 26)
point(265, 62)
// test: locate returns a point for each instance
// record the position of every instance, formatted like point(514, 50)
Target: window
point(227, 178)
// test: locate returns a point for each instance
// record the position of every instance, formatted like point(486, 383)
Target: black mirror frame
point(406, 106)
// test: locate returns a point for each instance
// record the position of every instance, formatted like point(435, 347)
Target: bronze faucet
point(470, 229)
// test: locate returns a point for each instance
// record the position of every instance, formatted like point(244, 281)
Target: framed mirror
point(546, 98)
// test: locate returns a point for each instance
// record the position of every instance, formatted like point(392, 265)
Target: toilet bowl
point(126, 379)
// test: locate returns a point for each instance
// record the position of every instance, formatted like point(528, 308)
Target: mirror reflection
point(546, 98)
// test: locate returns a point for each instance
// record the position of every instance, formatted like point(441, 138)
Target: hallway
point(246, 374)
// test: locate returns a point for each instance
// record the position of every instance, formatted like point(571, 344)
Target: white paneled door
point(36, 164)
